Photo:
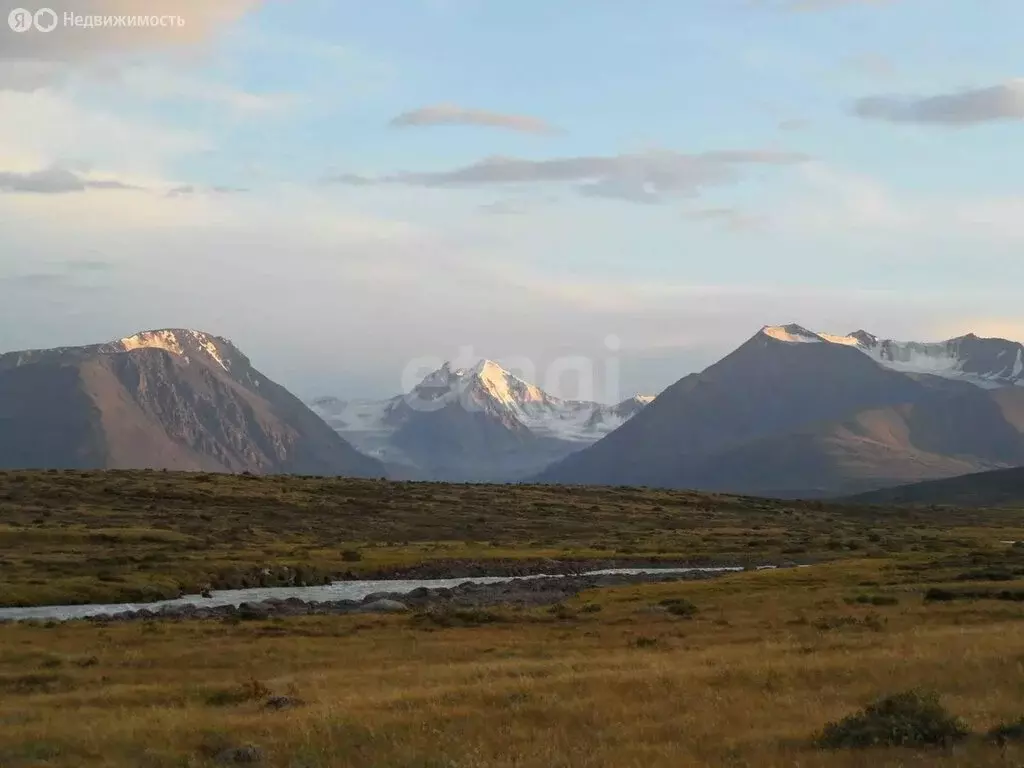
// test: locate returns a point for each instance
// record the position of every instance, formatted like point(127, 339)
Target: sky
point(354, 192)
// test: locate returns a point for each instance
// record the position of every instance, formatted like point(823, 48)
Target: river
point(339, 590)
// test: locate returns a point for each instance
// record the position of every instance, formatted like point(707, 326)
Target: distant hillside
point(792, 413)
point(1001, 488)
point(169, 399)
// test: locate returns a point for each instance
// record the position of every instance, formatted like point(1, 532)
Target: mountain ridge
point(981, 361)
point(479, 422)
point(170, 398)
point(782, 414)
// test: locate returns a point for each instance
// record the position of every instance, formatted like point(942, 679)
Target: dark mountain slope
point(765, 387)
point(999, 488)
point(171, 399)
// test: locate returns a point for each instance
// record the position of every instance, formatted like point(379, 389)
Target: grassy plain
point(610, 679)
point(68, 537)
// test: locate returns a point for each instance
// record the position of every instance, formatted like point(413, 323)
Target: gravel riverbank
point(516, 592)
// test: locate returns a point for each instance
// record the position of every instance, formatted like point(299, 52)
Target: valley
point(464, 384)
point(745, 668)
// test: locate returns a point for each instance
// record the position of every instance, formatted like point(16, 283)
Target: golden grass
point(768, 660)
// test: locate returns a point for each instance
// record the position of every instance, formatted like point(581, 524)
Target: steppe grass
point(73, 537)
point(745, 670)
point(750, 677)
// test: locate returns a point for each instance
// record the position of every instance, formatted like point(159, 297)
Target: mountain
point(999, 488)
point(175, 399)
point(476, 424)
point(792, 412)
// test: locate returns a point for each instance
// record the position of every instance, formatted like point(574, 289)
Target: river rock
point(255, 610)
point(384, 606)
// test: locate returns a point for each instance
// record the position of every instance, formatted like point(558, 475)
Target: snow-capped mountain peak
point(503, 400)
point(505, 387)
point(484, 385)
point(178, 341)
point(791, 334)
point(983, 362)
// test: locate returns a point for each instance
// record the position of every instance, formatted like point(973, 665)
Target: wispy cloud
point(649, 177)
point(452, 114)
point(970, 107)
point(794, 124)
point(27, 76)
point(53, 181)
point(186, 190)
point(730, 219)
point(151, 83)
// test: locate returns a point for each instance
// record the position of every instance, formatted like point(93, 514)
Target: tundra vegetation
point(901, 645)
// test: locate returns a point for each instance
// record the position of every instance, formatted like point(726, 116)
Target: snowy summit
point(983, 362)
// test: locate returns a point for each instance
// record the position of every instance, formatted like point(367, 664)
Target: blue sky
point(352, 190)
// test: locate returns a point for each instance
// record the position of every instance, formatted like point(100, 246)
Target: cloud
point(970, 107)
point(53, 181)
point(794, 124)
point(27, 76)
point(151, 83)
point(649, 177)
point(40, 280)
point(53, 130)
point(349, 179)
point(87, 265)
point(871, 65)
point(833, 202)
point(190, 189)
point(451, 114)
point(202, 19)
point(731, 219)
point(505, 208)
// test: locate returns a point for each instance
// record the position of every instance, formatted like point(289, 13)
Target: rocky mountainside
point(480, 423)
point(792, 412)
point(175, 399)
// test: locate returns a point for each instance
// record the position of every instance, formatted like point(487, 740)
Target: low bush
point(909, 719)
point(1006, 732)
point(253, 690)
point(873, 600)
point(679, 606)
point(988, 574)
point(457, 617)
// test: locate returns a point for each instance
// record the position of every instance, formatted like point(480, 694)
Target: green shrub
point(253, 690)
point(873, 600)
point(908, 719)
point(561, 611)
point(679, 606)
point(457, 617)
point(1004, 732)
point(644, 642)
point(987, 574)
